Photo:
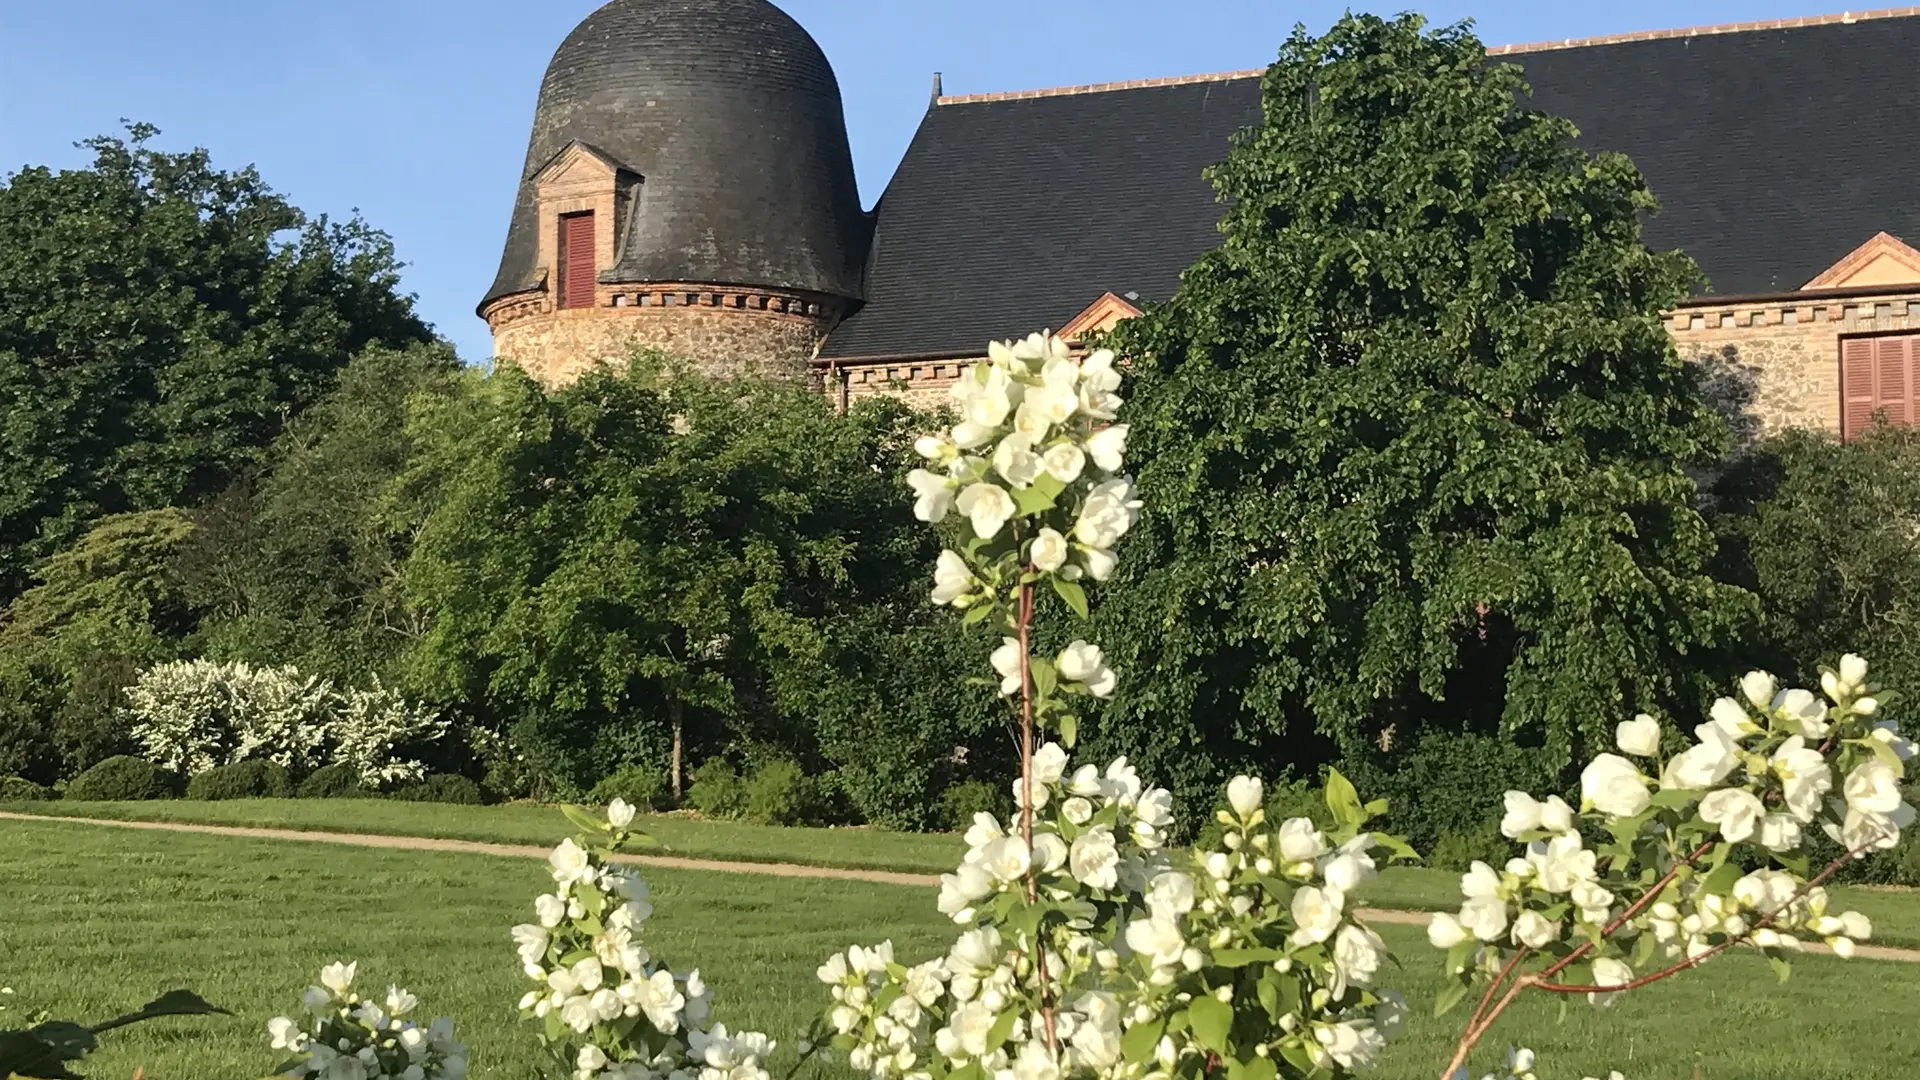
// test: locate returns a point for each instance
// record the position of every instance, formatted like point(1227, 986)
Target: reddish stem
point(1022, 621)
point(1493, 987)
point(1646, 899)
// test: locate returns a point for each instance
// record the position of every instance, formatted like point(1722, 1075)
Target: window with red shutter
point(1878, 376)
point(576, 260)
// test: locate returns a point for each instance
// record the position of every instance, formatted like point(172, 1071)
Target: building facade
point(689, 187)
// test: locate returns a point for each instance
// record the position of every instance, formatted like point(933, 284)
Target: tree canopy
point(160, 321)
point(1413, 437)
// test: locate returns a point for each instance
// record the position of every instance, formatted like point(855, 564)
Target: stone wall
point(722, 331)
point(1777, 365)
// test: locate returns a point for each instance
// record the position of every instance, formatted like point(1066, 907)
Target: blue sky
point(416, 111)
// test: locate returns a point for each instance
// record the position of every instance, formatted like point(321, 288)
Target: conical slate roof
point(730, 114)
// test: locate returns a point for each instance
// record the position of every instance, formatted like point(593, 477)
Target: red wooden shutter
point(576, 260)
point(1890, 368)
point(1856, 386)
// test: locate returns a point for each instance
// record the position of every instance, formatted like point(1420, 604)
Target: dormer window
point(577, 270)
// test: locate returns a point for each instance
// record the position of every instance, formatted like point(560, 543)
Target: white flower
point(1049, 764)
point(1100, 564)
point(1107, 514)
point(1064, 462)
point(1779, 832)
point(987, 506)
point(1804, 776)
point(1353, 1045)
point(1885, 731)
point(1107, 446)
point(1084, 663)
point(1006, 859)
point(1872, 788)
point(1245, 794)
point(1758, 686)
point(1612, 785)
point(1868, 831)
point(1357, 954)
point(570, 863)
point(1016, 462)
point(985, 396)
point(1049, 551)
point(952, 579)
point(338, 977)
point(1077, 810)
point(1485, 917)
point(1736, 811)
point(1349, 867)
point(1006, 662)
point(1158, 940)
point(1444, 931)
point(933, 495)
point(1805, 710)
point(962, 888)
point(1095, 860)
point(552, 910)
point(1561, 863)
point(1639, 736)
point(1533, 930)
point(1522, 815)
point(1316, 913)
point(620, 813)
point(286, 1034)
point(1704, 764)
point(1300, 841)
point(1732, 719)
point(591, 1059)
point(1853, 671)
point(1609, 972)
point(316, 999)
point(1480, 881)
point(1098, 381)
point(1170, 894)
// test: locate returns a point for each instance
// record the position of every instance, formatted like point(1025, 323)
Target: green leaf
point(1674, 798)
point(1069, 729)
point(1269, 994)
point(1046, 678)
point(1211, 1019)
point(1343, 800)
point(1138, 1043)
point(1782, 967)
point(1002, 1028)
point(1260, 1068)
point(1072, 593)
point(1720, 881)
point(976, 614)
point(1234, 958)
point(592, 823)
point(1032, 500)
point(1296, 1055)
point(1450, 997)
point(1884, 751)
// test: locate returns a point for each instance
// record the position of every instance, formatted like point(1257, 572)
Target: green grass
point(1895, 912)
point(529, 823)
point(95, 921)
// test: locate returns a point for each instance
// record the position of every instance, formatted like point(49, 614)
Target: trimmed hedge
point(20, 789)
point(335, 782)
point(241, 780)
point(442, 788)
point(120, 779)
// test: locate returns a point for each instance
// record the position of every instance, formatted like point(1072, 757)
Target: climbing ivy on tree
point(1413, 438)
point(160, 320)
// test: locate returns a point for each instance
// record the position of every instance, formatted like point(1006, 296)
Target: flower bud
point(1193, 959)
point(1866, 706)
point(1263, 865)
point(1232, 840)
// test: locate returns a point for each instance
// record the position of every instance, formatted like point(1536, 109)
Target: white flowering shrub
point(192, 715)
point(605, 1007)
point(343, 1036)
point(372, 726)
point(1085, 952)
point(1650, 876)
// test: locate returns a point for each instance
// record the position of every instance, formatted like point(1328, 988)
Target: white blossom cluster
point(608, 1010)
point(1520, 1066)
point(1036, 438)
point(344, 1036)
point(1646, 877)
point(192, 715)
point(1147, 968)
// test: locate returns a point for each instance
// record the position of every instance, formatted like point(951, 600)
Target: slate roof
point(730, 115)
point(1774, 153)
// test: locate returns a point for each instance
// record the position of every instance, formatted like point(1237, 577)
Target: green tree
point(654, 565)
point(160, 321)
point(1413, 436)
point(305, 565)
point(1823, 532)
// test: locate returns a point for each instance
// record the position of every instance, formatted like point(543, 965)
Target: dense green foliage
point(442, 788)
point(160, 319)
point(120, 779)
point(1824, 533)
point(337, 781)
point(20, 789)
point(1413, 437)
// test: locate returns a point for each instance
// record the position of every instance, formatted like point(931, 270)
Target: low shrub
point(120, 779)
point(717, 790)
point(442, 788)
point(21, 789)
point(779, 793)
point(254, 779)
point(335, 782)
point(642, 785)
point(957, 805)
point(1460, 850)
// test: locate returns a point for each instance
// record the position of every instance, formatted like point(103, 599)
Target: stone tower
point(689, 187)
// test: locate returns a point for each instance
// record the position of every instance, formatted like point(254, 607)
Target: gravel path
point(674, 862)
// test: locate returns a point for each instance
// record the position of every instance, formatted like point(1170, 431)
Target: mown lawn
point(1896, 913)
point(95, 920)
